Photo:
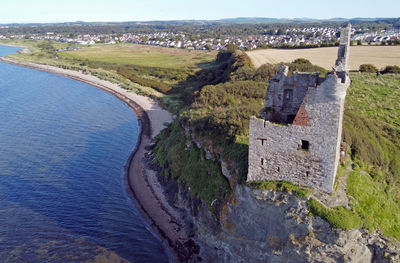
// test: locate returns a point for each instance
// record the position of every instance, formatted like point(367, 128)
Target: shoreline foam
point(140, 181)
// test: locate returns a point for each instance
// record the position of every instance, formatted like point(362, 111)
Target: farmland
point(141, 55)
point(380, 56)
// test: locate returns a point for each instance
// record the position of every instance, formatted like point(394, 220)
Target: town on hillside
point(312, 36)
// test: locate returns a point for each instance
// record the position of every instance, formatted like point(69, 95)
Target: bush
point(304, 65)
point(266, 71)
point(391, 69)
point(301, 61)
point(367, 68)
point(223, 111)
point(189, 166)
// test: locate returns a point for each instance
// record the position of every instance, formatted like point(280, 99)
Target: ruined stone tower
point(298, 139)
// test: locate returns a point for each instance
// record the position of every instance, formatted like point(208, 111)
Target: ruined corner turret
point(298, 139)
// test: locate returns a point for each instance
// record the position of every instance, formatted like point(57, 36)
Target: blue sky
point(144, 10)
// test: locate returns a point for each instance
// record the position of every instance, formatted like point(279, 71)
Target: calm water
point(63, 147)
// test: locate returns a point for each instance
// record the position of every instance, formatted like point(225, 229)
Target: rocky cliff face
point(268, 226)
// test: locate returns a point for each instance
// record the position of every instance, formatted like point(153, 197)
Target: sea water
point(63, 148)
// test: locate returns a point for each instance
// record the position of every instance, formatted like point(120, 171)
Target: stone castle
point(298, 140)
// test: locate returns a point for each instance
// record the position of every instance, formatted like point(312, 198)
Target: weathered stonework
point(298, 139)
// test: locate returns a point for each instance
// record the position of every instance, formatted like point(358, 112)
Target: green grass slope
point(372, 131)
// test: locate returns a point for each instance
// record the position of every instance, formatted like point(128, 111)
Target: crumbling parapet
point(342, 60)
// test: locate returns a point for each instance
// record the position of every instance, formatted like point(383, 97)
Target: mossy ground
point(282, 186)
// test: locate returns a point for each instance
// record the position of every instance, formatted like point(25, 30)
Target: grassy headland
point(218, 115)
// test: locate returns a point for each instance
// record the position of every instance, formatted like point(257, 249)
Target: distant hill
point(237, 20)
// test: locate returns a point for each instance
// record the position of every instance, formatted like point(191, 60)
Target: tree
point(231, 48)
point(359, 42)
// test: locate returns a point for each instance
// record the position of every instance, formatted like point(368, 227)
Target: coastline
point(23, 49)
point(141, 182)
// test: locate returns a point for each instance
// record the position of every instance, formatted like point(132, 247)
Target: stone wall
point(286, 94)
point(344, 50)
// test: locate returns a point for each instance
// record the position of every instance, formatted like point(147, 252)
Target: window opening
point(305, 145)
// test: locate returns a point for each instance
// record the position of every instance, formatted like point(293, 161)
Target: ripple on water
point(63, 148)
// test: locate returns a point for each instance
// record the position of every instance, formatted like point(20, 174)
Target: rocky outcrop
point(268, 226)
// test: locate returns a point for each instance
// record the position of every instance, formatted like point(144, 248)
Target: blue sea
point(63, 148)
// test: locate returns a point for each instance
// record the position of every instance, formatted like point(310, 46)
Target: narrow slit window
point(307, 173)
point(305, 145)
point(279, 169)
point(262, 161)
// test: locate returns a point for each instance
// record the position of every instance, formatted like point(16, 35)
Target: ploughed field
point(142, 55)
point(380, 56)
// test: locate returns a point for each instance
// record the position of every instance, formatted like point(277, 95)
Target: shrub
point(301, 61)
point(367, 68)
point(266, 71)
point(304, 65)
point(189, 166)
point(391, 69)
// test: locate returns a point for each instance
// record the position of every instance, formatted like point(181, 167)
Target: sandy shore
point(141, 181)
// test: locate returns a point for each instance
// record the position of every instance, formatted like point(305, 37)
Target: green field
point(372, 131)
point(377, 98)
point(147, 70)
point(140, 55)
